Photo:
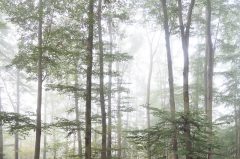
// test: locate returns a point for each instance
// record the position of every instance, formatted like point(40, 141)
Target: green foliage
point(15, 122)
point(158, 137)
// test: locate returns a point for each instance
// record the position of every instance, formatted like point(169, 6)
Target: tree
point(17, 111)
point(40, 81)
point(102, 99)
point(89, 79)
point(170, 76)
point(109, 113)
point(1, 128)
point(185, 34)
point(210, 65)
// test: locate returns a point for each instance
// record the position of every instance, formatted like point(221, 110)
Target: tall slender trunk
point(148, 98)
point(170, 78)
point(238, 133)
point(119, 119)
point(102, 99)
point(40, 81)
point(237, 129)
point(89, 80)
point(210, 66)
point(1, 130)
point(76, 99)
point(185, 34)
point(16, 146)
point(45, 134)
point(109, 131)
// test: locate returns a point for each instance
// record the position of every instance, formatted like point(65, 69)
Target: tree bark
point(40, 81)
point(210, 60)
point(109, 131)
point(185, 30)
point(89, 80)
point(102, 98)
point(170, 78)
point(16, 146)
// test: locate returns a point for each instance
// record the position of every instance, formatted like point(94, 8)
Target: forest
point(119, 79)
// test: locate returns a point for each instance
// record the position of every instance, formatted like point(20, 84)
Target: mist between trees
point(117, 79)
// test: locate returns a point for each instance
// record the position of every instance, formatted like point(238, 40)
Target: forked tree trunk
point(40, 81)
point(89, 61)
point(102, 99)
point(185, 34)
point(170, 78)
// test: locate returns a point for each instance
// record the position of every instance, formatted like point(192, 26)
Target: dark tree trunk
point(102, 98)
point(40, 81)
point(109, 131)
point(185, 30)
point(170, 77)
point(17, 111)
point(210, 61)
point(89, 80)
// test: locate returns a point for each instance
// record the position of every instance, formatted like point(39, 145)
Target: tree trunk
point(89, 80)
point(16, 148)
point(76, 98)
point(45, 134)
point(119, 119)
point(1, 130)
point(210, 61)
point(109, 131)
point(148, 96)
point(102, 99)
point(185, 30)
point(170, 78)
point(40, 80)
point(237, 129)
